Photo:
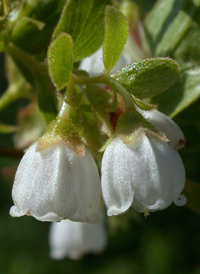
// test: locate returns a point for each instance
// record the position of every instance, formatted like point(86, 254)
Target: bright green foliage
point(173, 29)
point(84, 21)
point(165, 26)
point(115, 37)
point(149, 77)
point(28, 33)
point(60, 60)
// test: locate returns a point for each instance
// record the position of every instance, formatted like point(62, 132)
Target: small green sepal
point(132, 123)
point(143, 105)
point(61, 130)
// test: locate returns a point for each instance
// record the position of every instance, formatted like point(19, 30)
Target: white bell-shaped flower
point(74, 239)
point(57, 183)
point(148, 173)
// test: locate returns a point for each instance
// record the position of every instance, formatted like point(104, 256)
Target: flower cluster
point(57, 181)
point(147, 174)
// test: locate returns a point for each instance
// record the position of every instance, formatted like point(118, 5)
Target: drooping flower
point(74, 239)
point(147, 173)
point(56, 183)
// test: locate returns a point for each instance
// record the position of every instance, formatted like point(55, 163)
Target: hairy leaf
point(115, 37)
point(84, 21)
point(60, 60)
point(149, 77)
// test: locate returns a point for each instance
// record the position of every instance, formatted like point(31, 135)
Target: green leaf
point(188, 50)
point(26, 34)
point(149, 77)
point(36, 73)
point(192, 192)
point(46, 98)
point(115, 37)
point(84, 21)
point(181, 95)
point(173, 29)
point(60, 62)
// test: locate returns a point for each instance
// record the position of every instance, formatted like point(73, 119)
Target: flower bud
point(74, 239)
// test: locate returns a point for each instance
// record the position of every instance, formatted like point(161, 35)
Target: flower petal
point(166, 125)
point(161, 175)
point(116, 177)
point(55, 184)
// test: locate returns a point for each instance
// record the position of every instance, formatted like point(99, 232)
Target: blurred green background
point(165, 242)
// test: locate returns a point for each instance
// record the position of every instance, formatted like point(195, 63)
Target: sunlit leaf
point(115, 37)
point(84, 21)
point(60, 62)
point(149, 77)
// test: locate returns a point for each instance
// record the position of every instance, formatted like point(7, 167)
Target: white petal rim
point(181, 200)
